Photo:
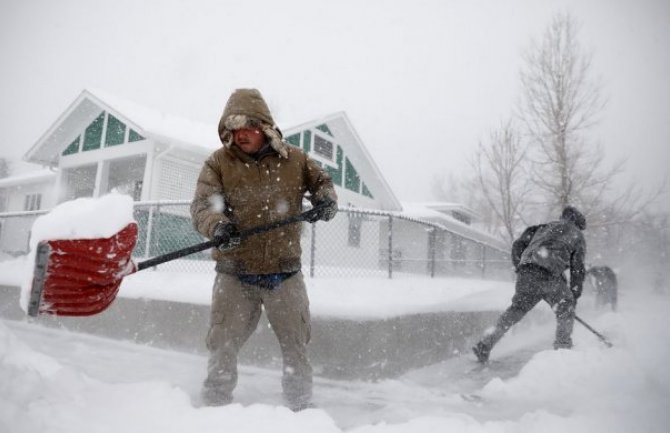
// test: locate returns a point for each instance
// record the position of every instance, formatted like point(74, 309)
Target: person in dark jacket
point(540, 256)
point(604, 280)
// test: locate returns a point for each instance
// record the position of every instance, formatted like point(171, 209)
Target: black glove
point(227, 236)
point(576, 292)
point(325, 210)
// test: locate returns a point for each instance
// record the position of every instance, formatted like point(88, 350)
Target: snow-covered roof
point(148, 122)
point(43, 175)
point(187, 137)
point(423, 212)
point(443, 206)
point(347, 137)
point(160, 124)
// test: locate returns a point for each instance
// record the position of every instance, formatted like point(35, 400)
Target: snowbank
point(84, 387)
point(37, 394)
point(347, 298)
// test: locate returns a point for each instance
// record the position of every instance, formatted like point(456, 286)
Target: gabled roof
point(346, 136)
point(37, 176)
point(148, 122)
point(180, 133)
point(448, 207)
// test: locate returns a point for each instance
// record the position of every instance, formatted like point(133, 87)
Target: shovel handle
point(213, 244)
point(602, 338)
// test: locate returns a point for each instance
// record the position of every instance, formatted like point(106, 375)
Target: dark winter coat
point(556, 246)
point(238, 188)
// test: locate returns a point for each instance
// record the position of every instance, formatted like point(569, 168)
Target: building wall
point(328, 150)
point(15, 232)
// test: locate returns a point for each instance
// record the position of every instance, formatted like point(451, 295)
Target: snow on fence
point(356, 243)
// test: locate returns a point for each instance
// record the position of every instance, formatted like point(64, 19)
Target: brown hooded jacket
point(235, 187)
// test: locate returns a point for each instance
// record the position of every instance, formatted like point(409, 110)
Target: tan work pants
point(236, 309)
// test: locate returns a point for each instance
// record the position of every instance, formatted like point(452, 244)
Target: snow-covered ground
point(57, 381)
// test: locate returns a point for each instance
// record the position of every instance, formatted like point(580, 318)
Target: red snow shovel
point(81, 277)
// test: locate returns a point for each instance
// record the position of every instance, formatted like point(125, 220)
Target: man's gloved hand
point(325, 210)
point(576, 292)
point(227, 235)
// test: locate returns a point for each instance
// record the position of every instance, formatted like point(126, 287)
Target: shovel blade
point(80, 277)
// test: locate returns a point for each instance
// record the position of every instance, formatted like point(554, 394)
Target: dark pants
point(533, 285)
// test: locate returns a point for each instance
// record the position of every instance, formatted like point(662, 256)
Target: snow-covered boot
point(215, 397)
point(563, 344)
point(297, 407)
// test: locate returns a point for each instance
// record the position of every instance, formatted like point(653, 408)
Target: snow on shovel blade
point(80, 277)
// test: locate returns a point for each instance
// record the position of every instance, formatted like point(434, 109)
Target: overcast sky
point(422, 81)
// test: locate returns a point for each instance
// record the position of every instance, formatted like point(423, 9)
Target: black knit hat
point(571, 214)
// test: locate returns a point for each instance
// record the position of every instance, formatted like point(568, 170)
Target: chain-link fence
point(356, 243)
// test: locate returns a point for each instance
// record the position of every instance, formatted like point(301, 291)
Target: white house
point(102, 142)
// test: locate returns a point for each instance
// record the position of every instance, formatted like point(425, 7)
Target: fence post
point(150, 225)
point(483, 261)
point(312, 252)
point(158, 230)
point(432, 246)
point(390, 246)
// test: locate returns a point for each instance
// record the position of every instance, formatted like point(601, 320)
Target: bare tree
point(499, 165)
point(560, 102)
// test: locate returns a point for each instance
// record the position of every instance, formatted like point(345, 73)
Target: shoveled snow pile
point(82, 218)
point(57, 381)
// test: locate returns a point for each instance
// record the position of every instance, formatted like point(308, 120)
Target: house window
point(93, 133)
point(352, 181)
point(125, 175)
point(116, 131)
point(134, 136)
point(324, 128)
point(294, 140)
point(72, 148)
point(336, 172)
point(307, 141)
point(323, 148)
point(366, 192)
point(32, 202)
point(78, 182)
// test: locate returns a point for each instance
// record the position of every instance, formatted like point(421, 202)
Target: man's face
point(250, 140)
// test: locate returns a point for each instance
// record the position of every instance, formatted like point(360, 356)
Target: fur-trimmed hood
point(246, 108)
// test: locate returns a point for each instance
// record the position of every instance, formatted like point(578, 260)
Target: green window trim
point(324, 128)
point(116, 131)
point(73, 147)
point(366, 192)
point(307, 141)
point(336, 173)
point(352, 181)
point(93, 133)
point(134, 136)
point(294, 140)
